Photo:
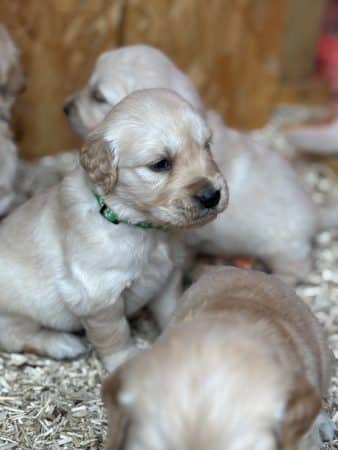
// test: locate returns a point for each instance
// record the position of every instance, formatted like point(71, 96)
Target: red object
point(327, 59)
point(243, 262)
point(327, 51)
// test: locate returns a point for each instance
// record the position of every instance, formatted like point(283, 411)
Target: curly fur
point(97, 159)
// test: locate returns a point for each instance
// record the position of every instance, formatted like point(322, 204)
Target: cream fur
point(270, 215)
point(243, 365)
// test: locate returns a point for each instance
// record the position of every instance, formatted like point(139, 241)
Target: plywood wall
point(300, 47)
point(231, 48)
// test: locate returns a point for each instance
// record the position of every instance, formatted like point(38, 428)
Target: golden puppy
point(92, 250)
point(243, 366)
point(270, 215)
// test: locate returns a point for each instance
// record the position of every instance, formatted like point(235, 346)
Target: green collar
point(112, 217)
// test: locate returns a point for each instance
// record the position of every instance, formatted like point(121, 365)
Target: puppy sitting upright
point(275, 224)
point(64, 266)
point(242, 366)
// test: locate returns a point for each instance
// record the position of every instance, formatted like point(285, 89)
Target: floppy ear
point(100, 162)
point(302, 408)
point(117, 418)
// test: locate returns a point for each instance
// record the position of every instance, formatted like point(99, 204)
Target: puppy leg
point(109, 332)
point(326, 427)
point(21, 334)
point(164, 305)
point(323, 430)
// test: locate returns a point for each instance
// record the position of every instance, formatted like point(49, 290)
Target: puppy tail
point(328, 217)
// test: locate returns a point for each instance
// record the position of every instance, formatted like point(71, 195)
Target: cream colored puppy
point(11, 84)
point(119, 72)
point(65, 266)
point(270, 215)
point(243, 365)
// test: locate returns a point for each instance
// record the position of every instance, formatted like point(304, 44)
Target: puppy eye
point(164, 165)
point(98, 96)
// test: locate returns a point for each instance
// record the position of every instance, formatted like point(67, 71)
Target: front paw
point(326, 427)
point(112, 362)
point(323, 430)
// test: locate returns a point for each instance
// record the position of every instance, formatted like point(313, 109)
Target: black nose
point(67, 106)
point(209, 198)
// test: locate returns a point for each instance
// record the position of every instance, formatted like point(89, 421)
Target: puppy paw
point(326, 427)
point(65, 345)
point(322, 430)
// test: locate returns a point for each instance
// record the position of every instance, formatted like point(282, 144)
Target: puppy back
point(227, 291)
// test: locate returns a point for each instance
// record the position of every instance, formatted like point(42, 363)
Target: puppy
point(316, 138)
point(243, 365)
point(270, 215)
point(98, 246)
point(11, 84)
point(20, 179)
point(138, 67)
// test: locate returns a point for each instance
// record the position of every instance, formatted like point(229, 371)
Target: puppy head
point(193, 397)
point(118, 73)
point(151, 154)
point(11, 75)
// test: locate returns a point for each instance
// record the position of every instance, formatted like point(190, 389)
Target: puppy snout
point(209, 197)
point(67, 106)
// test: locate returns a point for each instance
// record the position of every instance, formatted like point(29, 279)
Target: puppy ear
point(303, 406)
point(117, 418)
point(100, 162)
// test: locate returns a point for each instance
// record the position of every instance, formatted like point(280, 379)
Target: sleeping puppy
point(37, 175)
point(270, 215)
point(116, 74)
point(11, 84)
point(95, 248)
point(243, 365)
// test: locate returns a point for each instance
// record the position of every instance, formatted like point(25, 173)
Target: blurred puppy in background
point(11, 84)
point(96, 247)
point(243, 365)
point(119, 72)
point(20, 179)
point(270, 215)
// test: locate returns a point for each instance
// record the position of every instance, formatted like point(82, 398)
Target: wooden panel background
point(231, 48)
point(300, 44)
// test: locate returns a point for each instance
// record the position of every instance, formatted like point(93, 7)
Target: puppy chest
point(150, 279)
point(135, 266)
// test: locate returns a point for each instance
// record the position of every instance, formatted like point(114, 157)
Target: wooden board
point(304, 19)
point(231, 48)
point(59, 40)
